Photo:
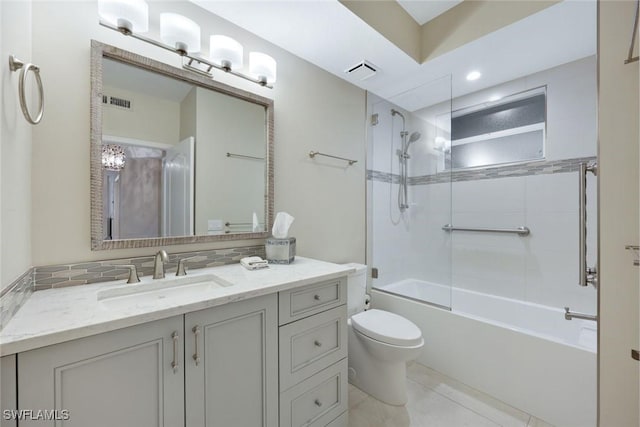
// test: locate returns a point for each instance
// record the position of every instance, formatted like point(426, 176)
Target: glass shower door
point(409, 193)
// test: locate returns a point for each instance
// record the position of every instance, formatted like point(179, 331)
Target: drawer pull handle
point(318, 403)
point(174, 364)
point(196, 332)
point(317, 343)
point(316, 297)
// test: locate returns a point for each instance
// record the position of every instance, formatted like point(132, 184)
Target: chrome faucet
point(158, 264)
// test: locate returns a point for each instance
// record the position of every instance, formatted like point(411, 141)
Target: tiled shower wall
point(542, 195)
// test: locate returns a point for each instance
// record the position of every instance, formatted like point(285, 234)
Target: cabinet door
point(234, 381)
point(123, 378)
point(8, 390)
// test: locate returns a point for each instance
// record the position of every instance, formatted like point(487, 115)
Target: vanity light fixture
point(128, 16)
point(181, 32)
point(181, 35)
point(113, 157)
point(225, 52)
point(262, 67)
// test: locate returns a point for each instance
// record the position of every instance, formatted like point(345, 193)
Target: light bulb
point(128, 15)
point(262, 67)
point(179, 32)
point(225, 52)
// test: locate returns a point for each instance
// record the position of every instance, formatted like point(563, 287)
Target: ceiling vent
point(362, 70)
point(120, 103)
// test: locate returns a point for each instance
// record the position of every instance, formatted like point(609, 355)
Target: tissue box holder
point(280, 251)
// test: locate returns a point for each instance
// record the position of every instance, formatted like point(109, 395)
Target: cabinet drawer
point(311, 344)
point(341, 421)
point(299, 303)
point(316, 401)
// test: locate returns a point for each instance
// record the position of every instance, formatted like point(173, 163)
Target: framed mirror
point(176, 157)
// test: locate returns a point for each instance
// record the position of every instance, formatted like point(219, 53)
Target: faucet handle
point(133, 273)
point(181, 268)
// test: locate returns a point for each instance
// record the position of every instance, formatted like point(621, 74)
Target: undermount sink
point(169, 287)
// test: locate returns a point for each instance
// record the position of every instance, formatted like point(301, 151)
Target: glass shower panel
point(409, 193)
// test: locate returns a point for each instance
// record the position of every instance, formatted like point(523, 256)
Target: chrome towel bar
point(522, 230)
point(242, 156)
point(312, 154)
point(14, 65)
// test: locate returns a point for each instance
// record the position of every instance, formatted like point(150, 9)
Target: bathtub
point(525, 354)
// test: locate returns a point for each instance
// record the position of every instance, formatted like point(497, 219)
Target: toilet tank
point(356, 288)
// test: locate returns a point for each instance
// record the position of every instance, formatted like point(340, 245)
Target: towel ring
point(15, 64)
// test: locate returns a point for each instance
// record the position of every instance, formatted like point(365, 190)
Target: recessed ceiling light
point(474, 75)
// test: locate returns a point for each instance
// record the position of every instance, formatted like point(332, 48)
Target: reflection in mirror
point(178, 159)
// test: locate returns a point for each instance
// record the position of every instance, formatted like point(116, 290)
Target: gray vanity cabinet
point(131, 377)
point(231, 365)
point(8, 390)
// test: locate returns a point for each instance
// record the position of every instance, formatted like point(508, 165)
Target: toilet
point(380, 345)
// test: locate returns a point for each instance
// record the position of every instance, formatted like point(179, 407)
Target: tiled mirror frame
point(98, 52)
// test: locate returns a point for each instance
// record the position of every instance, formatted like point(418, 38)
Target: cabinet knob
point(317, 343)
point(316, 297)
point(318, 403)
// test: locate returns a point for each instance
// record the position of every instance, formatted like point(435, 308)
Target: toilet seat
point(387, 327)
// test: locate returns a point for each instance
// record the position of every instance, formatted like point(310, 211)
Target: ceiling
point(425, 11)
point(558, 34)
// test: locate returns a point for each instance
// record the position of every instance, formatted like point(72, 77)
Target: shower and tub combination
point(484, 260)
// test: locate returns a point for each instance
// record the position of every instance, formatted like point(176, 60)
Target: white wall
point(15, 148)
point(618, 131)
point(228, 188)
point(151, 118)
point(313, 111)
point(541, 268)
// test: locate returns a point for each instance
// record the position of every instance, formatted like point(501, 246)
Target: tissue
point(256, 223)
point(281, 249)
point(281, 225)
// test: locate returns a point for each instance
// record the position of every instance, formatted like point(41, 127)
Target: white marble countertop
point(56, 315)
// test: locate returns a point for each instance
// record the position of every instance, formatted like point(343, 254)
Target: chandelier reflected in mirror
point(113, 157)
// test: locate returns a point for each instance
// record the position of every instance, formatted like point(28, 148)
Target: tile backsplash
point(57, 276)
point(62, 275)
point(14, 295)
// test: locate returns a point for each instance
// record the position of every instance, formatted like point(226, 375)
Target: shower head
point(394, 112)
point(414, 137)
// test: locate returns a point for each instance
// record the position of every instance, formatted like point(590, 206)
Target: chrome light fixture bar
point(181, 36)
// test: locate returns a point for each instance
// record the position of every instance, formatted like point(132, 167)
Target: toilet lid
point(387, 327)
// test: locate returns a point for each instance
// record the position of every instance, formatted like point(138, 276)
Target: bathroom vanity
point(228, 347)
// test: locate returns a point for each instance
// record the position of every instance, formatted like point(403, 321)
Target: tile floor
point(436, 400)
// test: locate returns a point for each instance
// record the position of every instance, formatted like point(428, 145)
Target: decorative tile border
point(540, 167)
point(13, 296)
point(58, 276)
point(373, 175)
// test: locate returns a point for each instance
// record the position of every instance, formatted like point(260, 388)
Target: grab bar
point(587, 275)
point(243, 156)
point(522, 230)
point(575, 315)
point(14, 65)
